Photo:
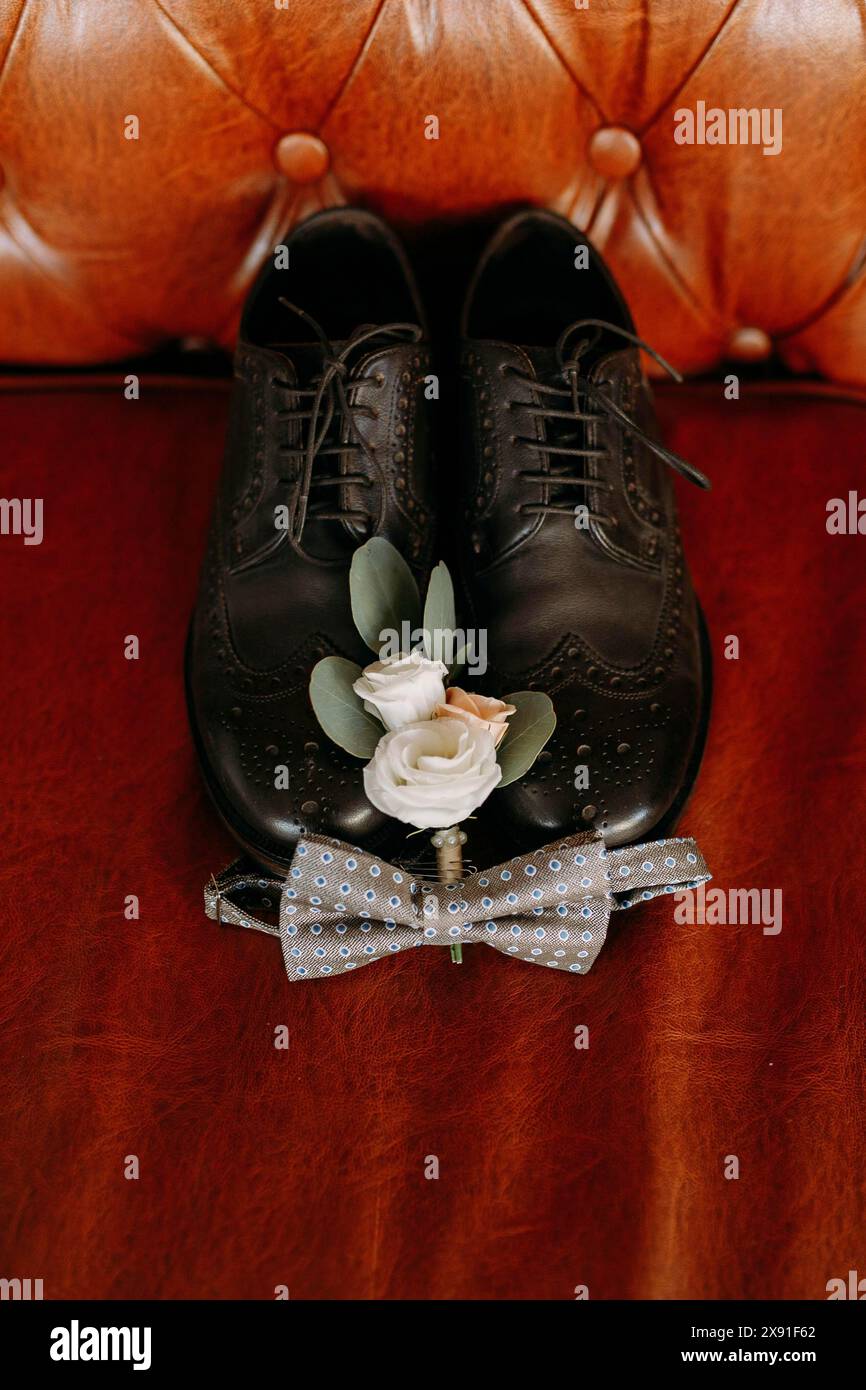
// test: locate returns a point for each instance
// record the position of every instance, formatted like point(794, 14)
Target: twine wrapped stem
point(448, 845)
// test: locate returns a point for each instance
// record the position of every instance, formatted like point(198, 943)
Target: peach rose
point(491, 714)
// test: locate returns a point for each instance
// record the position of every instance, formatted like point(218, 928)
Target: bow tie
point(340, 907)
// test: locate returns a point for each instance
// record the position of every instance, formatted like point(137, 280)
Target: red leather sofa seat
point(559, 1167)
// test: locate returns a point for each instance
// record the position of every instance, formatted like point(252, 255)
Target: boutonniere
point(434, 751)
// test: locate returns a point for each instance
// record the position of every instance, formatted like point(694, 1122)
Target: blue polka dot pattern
point(331, 920)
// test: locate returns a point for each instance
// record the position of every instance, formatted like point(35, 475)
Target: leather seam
point(208, 66)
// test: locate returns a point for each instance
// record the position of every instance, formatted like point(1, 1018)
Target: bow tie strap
point(247, 885)
point(340, 907)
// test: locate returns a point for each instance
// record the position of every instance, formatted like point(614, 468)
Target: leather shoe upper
point(573, 561)
point(328, 444)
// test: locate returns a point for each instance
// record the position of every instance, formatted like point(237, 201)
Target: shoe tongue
point(547, 364)
point(308, 358)
point(544, 361)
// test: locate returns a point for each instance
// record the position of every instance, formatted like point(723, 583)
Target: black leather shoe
point(573, 561)
point(328, 444)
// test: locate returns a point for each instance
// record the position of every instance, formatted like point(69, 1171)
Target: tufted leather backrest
point(118, 234)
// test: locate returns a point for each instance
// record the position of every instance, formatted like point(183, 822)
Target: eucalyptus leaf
point(339, 710)
point(383, 592)
point(440, 617)
point(528, 731)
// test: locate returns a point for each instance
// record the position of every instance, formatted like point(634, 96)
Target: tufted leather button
point(614, 152)
point(302, 157)
point(750, 344)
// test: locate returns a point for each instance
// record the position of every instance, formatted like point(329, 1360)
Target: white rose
point(402, 689)
point(432, 774)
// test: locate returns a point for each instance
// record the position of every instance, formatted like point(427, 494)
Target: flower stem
point(448, 845)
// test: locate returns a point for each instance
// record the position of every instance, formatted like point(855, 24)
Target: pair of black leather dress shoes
point(556, 512)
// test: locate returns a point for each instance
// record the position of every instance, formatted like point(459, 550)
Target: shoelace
point(586, 399)
point(331, 397)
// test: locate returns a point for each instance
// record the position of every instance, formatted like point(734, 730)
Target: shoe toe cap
point(620, 767)
point(275, 776)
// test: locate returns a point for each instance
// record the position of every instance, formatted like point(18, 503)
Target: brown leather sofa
point(251, 114)
point(153, 1035)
